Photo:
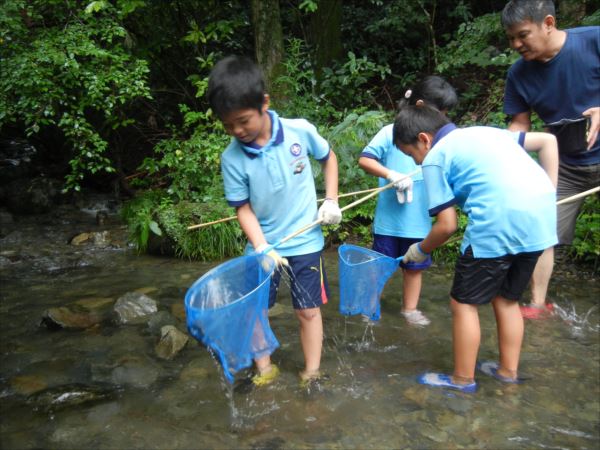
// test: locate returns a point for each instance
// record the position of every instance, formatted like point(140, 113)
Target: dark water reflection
point(371, 401)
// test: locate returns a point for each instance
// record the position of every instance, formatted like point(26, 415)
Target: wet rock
point(135, 371)
point(97, 238)
point(171, 342)
point(78, 315)
point(35, 196)
point(6, 218)
point(134, 307)
point(194, 374)
point(17, 159)
point(28, 384)
point(81, 238)
point(101, 217)
point(147, 290)
point(178, 311)
point(159, 320)
point(70, 395)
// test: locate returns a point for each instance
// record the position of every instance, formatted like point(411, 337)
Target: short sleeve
point(514, 102)
point(318, 147)
point(379, 145)
point(235, 182)
point(439, 192)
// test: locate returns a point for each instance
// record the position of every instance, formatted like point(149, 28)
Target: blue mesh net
point(363, 274)
point(227, 310)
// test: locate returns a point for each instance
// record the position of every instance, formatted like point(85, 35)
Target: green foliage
point(294, 90)
point(68, 69)
point(219, 241)
point(586, 244)
point(348, 139)
point(480, 43)
point(189, 167)
point(591, 20)
point(152, 215)
point(139, 216)
point(348, 84)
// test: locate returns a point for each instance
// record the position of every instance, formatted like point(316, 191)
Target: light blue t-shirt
point(409, 220)
point(277, 181)
point(508, 198)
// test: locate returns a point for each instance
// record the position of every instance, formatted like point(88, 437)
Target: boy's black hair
point(517, 11)
point(434, 91)
point(412, 120)
point(235, 82)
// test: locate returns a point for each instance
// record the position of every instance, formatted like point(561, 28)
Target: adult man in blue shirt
point(558, 77)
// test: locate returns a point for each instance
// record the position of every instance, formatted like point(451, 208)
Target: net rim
point(363, 250)
point(226, 264)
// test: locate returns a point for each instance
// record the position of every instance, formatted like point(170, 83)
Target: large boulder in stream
point(81, 314)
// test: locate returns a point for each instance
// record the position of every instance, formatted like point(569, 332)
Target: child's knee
point(309, 315)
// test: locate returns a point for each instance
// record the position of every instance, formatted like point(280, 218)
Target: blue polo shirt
point(277, 181)
point(562, 88)
point(508, 198)
point(409, 220)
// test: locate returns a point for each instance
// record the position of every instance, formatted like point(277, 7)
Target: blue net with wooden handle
point(362, 276)
point(227, 311)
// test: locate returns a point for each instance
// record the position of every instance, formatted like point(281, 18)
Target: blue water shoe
point(445, 381)
point(490, 368)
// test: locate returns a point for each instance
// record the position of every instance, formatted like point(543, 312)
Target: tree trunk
point(268, 38)
point(325, 33)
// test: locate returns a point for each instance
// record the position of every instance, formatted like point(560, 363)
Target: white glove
point(279, 260)
point(330, 212)
point(415, 254)
point(403, 184)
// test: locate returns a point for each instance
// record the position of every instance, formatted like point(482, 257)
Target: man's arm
point(520, 122)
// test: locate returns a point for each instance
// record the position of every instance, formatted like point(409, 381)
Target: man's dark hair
point(434, 91)
point(412, 120)
point(517, 11)
point(235, 82)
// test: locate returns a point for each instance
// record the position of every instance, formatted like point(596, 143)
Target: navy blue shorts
point(397, 246)
point(478, 281)
point(308, 281)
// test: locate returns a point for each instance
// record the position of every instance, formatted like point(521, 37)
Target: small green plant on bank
point(586, 244)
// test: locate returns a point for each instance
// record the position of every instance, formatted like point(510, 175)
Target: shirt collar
point(446, 129)
point(252, 150)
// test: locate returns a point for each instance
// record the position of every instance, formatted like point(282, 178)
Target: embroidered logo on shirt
point(295, 149)
point(299, 167)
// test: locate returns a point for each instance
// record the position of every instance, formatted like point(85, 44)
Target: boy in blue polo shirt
point(268, 179)
point(401, 217)
point(510, 204)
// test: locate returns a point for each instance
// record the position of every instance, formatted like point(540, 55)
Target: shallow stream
point(372, 401)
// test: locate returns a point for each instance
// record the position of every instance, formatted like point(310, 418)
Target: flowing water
point(133, 399)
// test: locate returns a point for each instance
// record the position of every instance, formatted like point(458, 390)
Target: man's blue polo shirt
point(508, 198)
point(277, 181)
point(409, 220)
